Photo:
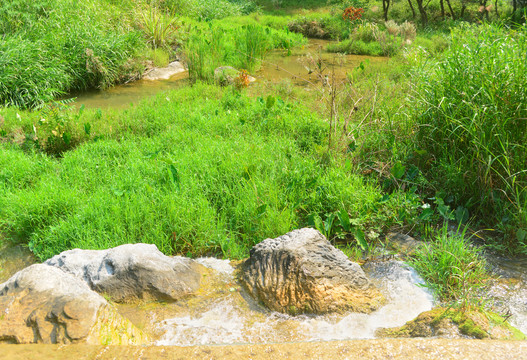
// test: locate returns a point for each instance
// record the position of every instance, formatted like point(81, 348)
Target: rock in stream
point(301, 272)
point(42, 304)
point(132, 271)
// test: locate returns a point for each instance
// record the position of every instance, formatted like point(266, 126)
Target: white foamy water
point(231, 319)
point(511, 301)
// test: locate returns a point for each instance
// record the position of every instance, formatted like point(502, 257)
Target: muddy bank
point(351, 349)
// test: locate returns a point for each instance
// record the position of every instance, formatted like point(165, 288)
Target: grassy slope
point(197, 170)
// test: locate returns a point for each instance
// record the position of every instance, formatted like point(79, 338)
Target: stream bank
point(421, 349)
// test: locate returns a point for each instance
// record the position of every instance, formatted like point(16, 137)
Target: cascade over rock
point(301, 272)
point(42, 304)
point(132, 271)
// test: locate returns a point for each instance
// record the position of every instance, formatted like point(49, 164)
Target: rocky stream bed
point(296, 293)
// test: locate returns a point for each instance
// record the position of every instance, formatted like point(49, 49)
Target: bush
point(471, 111)
point(320, 26)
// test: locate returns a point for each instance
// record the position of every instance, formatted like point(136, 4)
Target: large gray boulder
point(301, 272)
point(132, 271)
point(42, 304)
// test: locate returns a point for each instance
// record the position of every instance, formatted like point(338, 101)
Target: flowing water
point(509, 293)
point(225, 314)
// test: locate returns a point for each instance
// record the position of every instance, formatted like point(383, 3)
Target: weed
point(452, 267)
point(158, 26)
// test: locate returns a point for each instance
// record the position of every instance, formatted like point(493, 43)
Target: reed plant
point(471, 118)
point(157, 25)
point(241, 46)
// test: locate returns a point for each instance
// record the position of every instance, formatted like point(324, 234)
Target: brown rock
point(42, 304)
point(301, 272)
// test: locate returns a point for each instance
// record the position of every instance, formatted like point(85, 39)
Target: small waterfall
point(234, 318)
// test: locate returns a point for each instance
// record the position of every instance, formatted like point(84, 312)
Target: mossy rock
point(451, 323)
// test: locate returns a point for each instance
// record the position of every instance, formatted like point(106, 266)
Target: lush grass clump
point(200, 171)
point(55, 46)
point(451, 267)
point(471, 111)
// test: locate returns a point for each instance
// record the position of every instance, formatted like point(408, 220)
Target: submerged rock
point(451, 323)
point(301, 272)
point(132, 271)
point(42, 304)
point(403, 243)
point(165, 73)
point(226, 75)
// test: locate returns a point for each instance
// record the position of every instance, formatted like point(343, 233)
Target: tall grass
point(209, 10)
point(240, 46)
point(452, 268)
point(55, 46)
point(472, 111)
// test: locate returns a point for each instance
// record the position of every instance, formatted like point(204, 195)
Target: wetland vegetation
point(436, 134)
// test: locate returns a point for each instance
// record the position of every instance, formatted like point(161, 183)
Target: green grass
point(471, 109)
point(56, 46)
point(240, 46)
point(198, 171)
point(452, 268)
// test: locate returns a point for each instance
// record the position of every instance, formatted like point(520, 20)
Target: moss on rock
point(452, 323)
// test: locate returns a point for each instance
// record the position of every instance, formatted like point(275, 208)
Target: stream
point(279, 65)
point(223, 313)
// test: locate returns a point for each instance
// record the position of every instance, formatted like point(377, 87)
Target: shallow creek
point(223, 313)
point(279, 65)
